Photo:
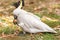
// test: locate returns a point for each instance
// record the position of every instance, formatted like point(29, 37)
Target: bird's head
point(19, 4)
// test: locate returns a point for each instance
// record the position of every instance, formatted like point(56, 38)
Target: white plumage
point(30, 22)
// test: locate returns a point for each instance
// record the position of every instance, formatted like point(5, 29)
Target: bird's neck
point(18, 10)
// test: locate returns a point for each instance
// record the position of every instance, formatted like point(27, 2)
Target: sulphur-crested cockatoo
point(30, 22)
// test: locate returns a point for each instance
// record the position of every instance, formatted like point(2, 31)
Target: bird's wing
point(31, 20)
point(34, 15)
point(34, 21)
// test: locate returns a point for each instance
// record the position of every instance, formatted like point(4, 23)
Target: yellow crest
point(20, 6)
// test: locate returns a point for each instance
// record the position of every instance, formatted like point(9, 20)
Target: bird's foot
point(24, 32)
point(32, 36)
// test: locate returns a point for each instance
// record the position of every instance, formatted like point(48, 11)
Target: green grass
point(44, 36)
point(6, 30)
point(52, 15)
point(48, 36)
point(52, 23)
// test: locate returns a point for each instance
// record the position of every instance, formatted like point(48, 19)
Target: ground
point(47, 10)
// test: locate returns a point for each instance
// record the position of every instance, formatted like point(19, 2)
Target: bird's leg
point(22, 26)
point(32, 36)
point(24, 32)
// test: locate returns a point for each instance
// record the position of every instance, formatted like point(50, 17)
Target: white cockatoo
point(29, 22)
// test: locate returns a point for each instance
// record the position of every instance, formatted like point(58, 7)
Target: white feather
point(30, 22)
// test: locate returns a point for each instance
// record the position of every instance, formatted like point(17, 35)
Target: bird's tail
point(47, 28)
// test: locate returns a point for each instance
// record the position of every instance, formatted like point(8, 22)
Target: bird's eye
point(15, 17)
